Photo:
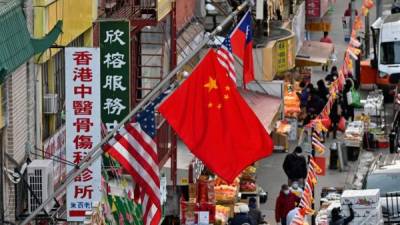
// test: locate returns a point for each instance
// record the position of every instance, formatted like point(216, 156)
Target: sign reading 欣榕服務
point(83, 132)
point(115, 64)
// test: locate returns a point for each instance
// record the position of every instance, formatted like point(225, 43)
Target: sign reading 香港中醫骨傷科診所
point(115, 64)
point(83, 127)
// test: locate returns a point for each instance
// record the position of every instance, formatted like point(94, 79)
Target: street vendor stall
point(213, 196)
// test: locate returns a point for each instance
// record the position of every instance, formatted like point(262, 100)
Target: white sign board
point(83, 131)
point(204, 218)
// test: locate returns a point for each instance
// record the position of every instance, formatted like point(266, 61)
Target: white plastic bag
point(349, 98)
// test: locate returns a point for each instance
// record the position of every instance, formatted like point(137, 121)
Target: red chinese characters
point(82, 77)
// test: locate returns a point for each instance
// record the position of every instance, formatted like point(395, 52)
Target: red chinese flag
point(213, 120)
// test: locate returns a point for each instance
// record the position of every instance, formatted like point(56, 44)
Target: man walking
point(295, 166)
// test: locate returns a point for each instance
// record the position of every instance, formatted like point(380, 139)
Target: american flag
point(225, 57)
point(134, 148)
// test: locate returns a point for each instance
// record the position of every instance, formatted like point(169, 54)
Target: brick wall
point(16, 131)
point(185, 10)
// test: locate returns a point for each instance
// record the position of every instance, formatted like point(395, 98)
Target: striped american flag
point(134, 148)
point(225, 57)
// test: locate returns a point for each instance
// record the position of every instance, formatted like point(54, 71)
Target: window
point(390, 53)
point(58, 76)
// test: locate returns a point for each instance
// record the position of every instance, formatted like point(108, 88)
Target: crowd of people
point(313, 100)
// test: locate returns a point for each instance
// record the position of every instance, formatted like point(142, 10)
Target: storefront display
point(353, 135)
point(214, 196)
point(374, 104)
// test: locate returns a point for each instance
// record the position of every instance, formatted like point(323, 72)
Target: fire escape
point(153, 55)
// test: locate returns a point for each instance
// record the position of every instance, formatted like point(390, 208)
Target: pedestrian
point(254, 213)
point(338, 219)
point(348, 109)
point(326, 39)
point(332, 75)
point(242, 217)
point(291, 214)
point(334, 116)
point(349, 9)
point(323, 92)
point(295, 166)
point(315, 105)
point(303, 94)
point(284, 203)
point(296, 189)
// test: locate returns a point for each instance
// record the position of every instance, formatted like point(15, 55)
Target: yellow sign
point(163, 8)
point(184, 181)
point(77, 16)
point(284, 54)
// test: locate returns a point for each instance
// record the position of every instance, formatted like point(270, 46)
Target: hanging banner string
point(352, 53)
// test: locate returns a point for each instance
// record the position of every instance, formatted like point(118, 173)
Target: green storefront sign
point(115, 76)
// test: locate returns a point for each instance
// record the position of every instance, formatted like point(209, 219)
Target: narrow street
point(270, 174)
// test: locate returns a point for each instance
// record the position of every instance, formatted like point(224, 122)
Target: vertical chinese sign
point(83, 132)
point(115, 64)
point(282, 52)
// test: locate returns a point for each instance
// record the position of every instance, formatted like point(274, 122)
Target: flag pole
point(97, 150)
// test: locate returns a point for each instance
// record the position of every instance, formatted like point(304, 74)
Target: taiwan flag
point(242, 46)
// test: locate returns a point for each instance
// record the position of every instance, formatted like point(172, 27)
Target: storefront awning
point(16, 44)
point(266, 107)
point(314, 53)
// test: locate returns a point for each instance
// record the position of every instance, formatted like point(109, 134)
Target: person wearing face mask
point(296, 189)
point(295, 166)
point(284, 204)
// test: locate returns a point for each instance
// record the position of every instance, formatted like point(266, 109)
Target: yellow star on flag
point(212, 84)
point(226, 96)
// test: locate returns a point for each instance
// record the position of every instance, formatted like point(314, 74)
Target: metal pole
point(366, 37)
point(97, 151)
point(174, 138)
point(378, 8)
point(351, 16)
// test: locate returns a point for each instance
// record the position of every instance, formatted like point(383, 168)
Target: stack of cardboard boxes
point(366, 206)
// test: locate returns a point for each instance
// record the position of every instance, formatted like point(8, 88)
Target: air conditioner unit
point(50, 104)
point(40, 179)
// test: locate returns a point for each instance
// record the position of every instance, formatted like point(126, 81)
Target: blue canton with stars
point(146, 117)
point(227, 43)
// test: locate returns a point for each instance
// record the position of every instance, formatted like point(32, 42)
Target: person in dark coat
point(315, 105)
point(303, 94)
point(332, 75)
point(337, 219)
point(348, 110)
point(323, 92)
point(254, 213)
point(335, 117)
point(242, 217)
point(295, 166)
point(284, 203)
